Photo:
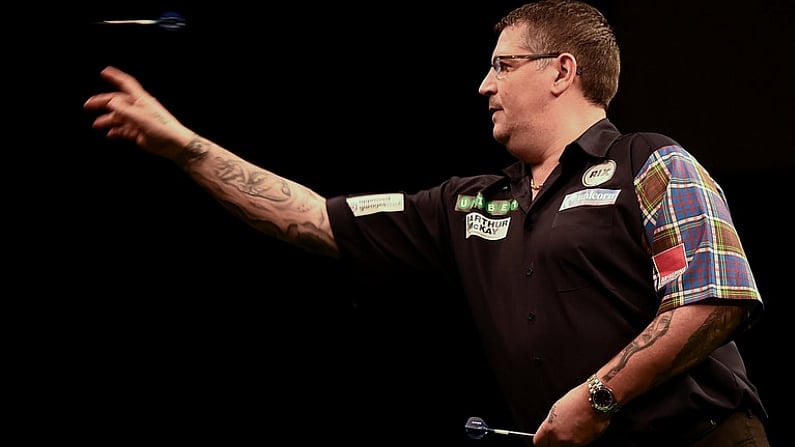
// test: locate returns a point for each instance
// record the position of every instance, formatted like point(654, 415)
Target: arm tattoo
point(715, 330)
point(272, 194)
point(263, 200)
point(552, 413)
point(195, 150)
point(648, 337)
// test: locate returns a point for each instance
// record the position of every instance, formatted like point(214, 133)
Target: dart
point(170, 21)
point(476, 428)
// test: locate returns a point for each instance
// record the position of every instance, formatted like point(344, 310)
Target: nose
point(489, 84)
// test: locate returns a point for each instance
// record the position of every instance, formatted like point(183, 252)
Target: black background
point(158, 316)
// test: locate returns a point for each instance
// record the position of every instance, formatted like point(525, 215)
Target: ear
point(566, 66)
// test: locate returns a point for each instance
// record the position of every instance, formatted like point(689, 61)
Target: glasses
point(501, 69)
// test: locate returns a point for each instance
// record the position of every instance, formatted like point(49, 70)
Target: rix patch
point(596, 175)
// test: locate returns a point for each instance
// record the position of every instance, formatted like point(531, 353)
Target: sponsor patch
point(494, 207)
point(670, 264)
point(375, 203)
point(590, 197)
point(485, 227)
point(596, 175)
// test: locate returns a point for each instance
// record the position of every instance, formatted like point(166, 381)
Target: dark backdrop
point(161, 317)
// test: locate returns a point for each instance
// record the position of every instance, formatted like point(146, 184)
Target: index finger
point(123, 81)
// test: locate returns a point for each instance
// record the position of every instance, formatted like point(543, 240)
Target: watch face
point(602, 398)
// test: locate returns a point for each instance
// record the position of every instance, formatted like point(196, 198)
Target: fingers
point(123, 81)
point(130, 112)
point(107, 120)
point(109, 103)
point(130, 90)
point(115, 105)
point(99, 101)
point(116, 127)
point(123, 132)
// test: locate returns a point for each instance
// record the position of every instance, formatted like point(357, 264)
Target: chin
point(501, 137)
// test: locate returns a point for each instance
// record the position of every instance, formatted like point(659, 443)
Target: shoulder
point(645, 143)
point(652, 140)
point(647, 149)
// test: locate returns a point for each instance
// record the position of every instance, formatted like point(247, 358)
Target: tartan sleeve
point(696, 251)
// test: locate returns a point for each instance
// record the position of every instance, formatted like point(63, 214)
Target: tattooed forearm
point(654, 332)
point(197, 149)
point(252, 182)
point(262, 199)
point(709, 331)
point(306, 235)
point(715, 330)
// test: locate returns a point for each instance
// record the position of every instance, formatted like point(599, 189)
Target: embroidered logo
point(482, 226)
point(375, 203)
point(596, 175)
point(590, 197)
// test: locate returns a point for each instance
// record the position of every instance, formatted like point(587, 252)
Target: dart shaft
point(510, 432)
point(131, 22)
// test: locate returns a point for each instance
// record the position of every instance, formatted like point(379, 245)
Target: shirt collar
point(595, 142)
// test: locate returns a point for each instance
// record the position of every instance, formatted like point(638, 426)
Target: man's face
point(519, 93)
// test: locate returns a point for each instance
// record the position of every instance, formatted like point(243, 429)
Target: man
point(603, 269)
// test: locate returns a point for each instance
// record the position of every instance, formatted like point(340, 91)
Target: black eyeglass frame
point(496, 62)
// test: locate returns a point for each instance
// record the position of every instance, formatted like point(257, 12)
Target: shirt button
point(530, 270)
point(537, 361)
point(531, 316)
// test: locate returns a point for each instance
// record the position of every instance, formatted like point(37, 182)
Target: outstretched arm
point(270, 203)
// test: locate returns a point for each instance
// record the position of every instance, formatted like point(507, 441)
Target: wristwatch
point(602, 398)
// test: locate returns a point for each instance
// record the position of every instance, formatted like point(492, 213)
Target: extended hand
point(132, 113)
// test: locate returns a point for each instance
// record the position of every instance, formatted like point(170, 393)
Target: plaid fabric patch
point(685, 211)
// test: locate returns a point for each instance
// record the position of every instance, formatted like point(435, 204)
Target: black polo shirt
point(626, 226)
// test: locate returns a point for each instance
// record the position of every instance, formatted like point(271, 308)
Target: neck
point(539, 173)
point(561, 131)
